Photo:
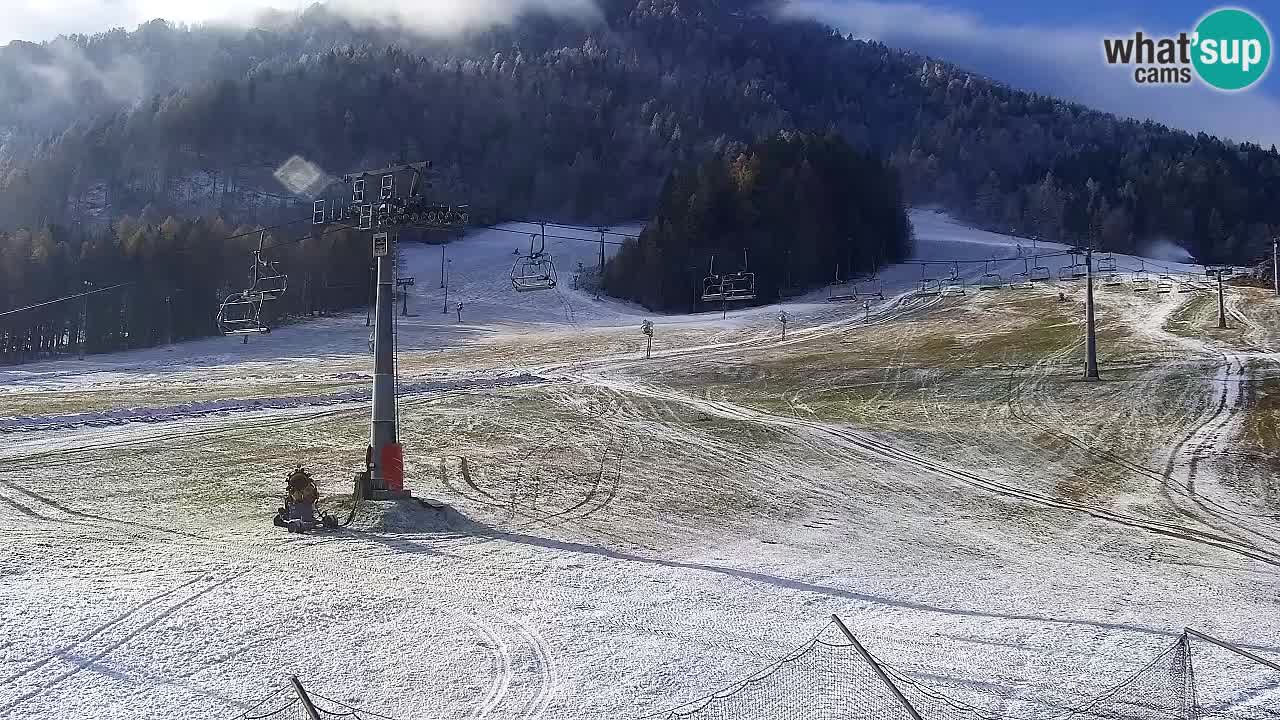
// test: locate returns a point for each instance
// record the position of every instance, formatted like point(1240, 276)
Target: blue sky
point(1166, 16)
point(1056, 48)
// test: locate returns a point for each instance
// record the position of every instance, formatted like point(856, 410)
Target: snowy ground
point(630, 534)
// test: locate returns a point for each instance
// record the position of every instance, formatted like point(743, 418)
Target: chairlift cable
point(553, 237)
point(47, 303)
point(597, 229)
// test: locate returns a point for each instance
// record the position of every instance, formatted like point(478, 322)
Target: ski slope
point(626, 535)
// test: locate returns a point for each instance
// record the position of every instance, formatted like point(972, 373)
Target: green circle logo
point(1232, 49)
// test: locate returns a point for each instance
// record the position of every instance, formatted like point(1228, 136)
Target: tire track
point(869, 445)
point(128, 636)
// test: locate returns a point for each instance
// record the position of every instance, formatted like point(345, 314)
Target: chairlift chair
point(1164, 283)
point(266, 280)
point(1112, 280)
point(1107, 263)
point(955, 284)
point(1185, 284)
point(1074, 271)
point(929, 287)
point(1141, 283)
point(740, 285)
point(990, 280)
point(241, 314)
point(712, 284)
point(1021, 279)
point(712, 289)
point(843, 293)
point(840, 290)
point(870, 287)
point(1040, 273)
point(270, 283)
point(535, 271)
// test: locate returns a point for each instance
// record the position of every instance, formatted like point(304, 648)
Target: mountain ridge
point(583, 119)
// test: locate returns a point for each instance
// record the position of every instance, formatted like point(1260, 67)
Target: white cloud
point(447, 16)
point(122, 79)
point(1066, 62)
point(37, 20)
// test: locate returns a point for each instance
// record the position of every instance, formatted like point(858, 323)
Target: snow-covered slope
point(630, 534)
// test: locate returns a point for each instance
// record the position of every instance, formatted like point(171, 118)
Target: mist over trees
point(797, 206)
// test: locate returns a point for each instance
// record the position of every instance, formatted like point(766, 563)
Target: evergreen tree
point(797, 206)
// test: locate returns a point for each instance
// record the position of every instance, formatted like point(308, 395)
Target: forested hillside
point(796, 206)
point(583, 120)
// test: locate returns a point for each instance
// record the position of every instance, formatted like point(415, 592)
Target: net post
point(897, 694)
point(1190, 702)
point(304, 697)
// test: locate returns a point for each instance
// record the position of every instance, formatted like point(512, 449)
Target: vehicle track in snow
point(100, 642)
point(1205, 436)
point(869, 445)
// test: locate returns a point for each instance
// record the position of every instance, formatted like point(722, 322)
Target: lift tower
point(383, 216)
point(383, 436)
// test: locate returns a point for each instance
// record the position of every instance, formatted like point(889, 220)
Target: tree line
point(173, 273)
point(796, 210)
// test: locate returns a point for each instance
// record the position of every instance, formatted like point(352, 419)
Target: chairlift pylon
point(535, 271)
